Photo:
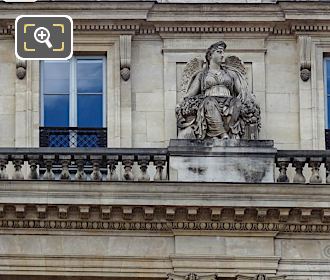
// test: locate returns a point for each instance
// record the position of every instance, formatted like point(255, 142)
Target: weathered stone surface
point(222, 161)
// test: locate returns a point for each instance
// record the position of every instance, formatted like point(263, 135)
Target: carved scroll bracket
point(305, 46)
point(125, 56)
point(20, 69)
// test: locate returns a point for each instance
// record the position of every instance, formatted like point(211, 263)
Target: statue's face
point(217, 55)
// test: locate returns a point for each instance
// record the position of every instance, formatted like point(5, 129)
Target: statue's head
point(213, 48)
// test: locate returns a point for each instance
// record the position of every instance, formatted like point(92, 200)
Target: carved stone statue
point(215, 99)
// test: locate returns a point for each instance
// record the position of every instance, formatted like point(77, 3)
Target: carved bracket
point(20, 69)
point(305, 46)
point(125, 56)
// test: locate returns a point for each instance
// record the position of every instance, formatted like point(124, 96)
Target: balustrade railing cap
point(64, 157)
point(317, 159)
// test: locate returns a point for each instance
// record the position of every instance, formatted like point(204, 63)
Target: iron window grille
point(73, 137)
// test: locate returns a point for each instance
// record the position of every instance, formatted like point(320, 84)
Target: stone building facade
point(112, 224)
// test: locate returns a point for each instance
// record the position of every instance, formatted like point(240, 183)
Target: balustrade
point(81, 165)
point(116, 164)
point(304, 166)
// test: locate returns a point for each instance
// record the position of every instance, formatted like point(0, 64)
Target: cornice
point(166, 193)
point(189, 29)
point(79, 10)
point(150, 11)
point(163, 219)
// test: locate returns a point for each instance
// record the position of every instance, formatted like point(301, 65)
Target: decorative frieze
point(142, 218)
point(150, 28)
point(194, 276)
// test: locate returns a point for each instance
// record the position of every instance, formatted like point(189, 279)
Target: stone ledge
point(268, 195)
point(128, 266)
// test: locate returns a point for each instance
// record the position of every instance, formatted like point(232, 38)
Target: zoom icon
point(43, 37)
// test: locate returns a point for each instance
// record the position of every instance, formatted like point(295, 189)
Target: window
point(327, 107)
point(73, 103)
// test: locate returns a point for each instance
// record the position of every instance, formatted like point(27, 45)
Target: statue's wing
point(192, 67)
point(235, 65)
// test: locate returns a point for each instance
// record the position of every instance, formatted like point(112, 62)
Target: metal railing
point(73, 137)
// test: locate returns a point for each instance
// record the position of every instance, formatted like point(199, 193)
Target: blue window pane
point(56, 77)
point(56, 110)
point(328, 126)
point(89, 76)
point(328, 68)
point(90, 110)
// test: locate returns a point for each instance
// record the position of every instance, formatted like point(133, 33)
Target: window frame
point(73, 94)
point(326, 94)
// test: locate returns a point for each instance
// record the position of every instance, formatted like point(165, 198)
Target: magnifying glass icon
point(41, 35)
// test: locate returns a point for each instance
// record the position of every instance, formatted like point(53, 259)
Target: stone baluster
point(143, 161)
point(18, 161)
point(327, 167)
point(282, 164)
point(128, 162)
point(112, 162)
point(3, 165)
point(159, 162)
point(80, 162)
point(299, 164)
point(315, 163)
point(96, 175)
point(33, 162)
point(49, 174)
point(65, 161)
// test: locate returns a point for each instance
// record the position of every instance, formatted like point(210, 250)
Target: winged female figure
point(216, 100)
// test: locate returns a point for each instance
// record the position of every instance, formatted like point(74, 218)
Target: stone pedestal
point(250, 161)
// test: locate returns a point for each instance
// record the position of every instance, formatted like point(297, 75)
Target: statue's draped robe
point(218, 112)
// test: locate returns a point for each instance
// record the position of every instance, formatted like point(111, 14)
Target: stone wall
point(129, 229)
point(140, 112)
point(7, 95)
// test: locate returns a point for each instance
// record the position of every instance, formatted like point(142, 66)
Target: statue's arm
point(195, 86)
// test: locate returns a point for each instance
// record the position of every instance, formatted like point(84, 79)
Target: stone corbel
point(305, 46)
point(125, 56)
point(260, 277)
point(20, 69)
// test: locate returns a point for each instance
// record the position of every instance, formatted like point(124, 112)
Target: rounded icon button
point(41, 35)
